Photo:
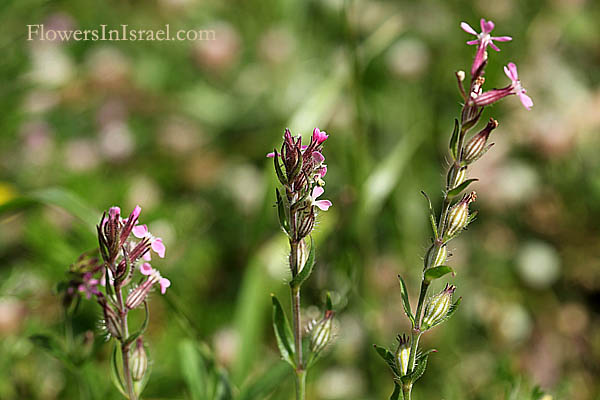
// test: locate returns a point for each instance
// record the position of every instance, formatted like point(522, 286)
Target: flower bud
point(112, 321)
point(476, 147)
point(459, 214)
point(139, 361)
point(302, 254)
point(137, 296)
point(438, 258)
point(456, 177)
point(438, 307)
point(320, 333)
point(403, 354)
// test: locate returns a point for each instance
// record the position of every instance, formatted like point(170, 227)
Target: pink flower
point(146, 269)
point(484, 39)
point(158, 247)
point(318, 157)
point(272, 154)
point(319, 136)
point(492, 96)
point(323, 171)
point(140, 231)
point(89, 285)
point(321, 204)
point(164, 284)
point(511, 71)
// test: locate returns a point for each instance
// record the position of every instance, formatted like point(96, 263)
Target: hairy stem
point(124, 346)
point(406, 389)
point(300, 385)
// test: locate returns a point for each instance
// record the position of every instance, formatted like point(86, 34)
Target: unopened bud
point(320, 333)
point(438, 307)
point(476, 147)
point(456, 177)
point(302, 255)
point(138, 295)
point(139, 361)
point(438, 258)
point(403, 354)
point(112, 321)
point(459, 214)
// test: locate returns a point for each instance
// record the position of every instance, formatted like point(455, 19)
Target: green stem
point(406, 389)
point(300, 384)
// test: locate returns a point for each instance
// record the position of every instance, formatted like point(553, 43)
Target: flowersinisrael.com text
point(124, 32)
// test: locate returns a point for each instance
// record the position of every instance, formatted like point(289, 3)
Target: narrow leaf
point(388, 357)
point(396, 394)
point(115, 375)
point(265, 384)
point(306, 268)
point(419, 369)
point(137, 333)
point(283, 333)
point(471, 217)
point(454, 141)
point(194, 371)
point(431, 215)
point(278, 170)
point(405, 301)
point(437, 272)
point(328, 302)
point(282, 212)
point(458, 190)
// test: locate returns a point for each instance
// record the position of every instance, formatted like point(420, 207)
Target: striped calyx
point(112, 321)
point(139, 361)
point(459, 214)
point(476, 147)
point(402, 354)
point(438, 307)
point(457, 176)
point(320, 333)
point(438, 258)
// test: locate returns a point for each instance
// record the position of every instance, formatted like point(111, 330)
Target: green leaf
point(454, 140)
point(278, 170)
point(115, 375)
point(328, 302)
point(437, 272)
point(284, 221)
point(431, 215)
point(306, 269)
point(458, 190)
point(194, 370)
point(471, 218)
point(397, 391)
point(137, 333)
point(223, 391)
point(388, 357)
point(405, 301)
point(283, 333)
point(419, 369)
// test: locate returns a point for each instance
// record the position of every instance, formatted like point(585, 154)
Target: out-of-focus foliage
point(182, 128)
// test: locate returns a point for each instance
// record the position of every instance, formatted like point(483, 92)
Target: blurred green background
point(182, 129)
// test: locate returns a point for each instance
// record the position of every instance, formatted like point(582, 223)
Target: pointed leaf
point(137, 333)
point(282, 212)
point(388, 357)
point(396, 394)
point(278, 170)
point(283, 333)
point(306, 268)
point(419, 369)
point(115, 375)
point(431, 215)
point(458, 190)
point(405, 301)
point(454, 140)
point(194, 370)
point(471, 217)
point(437, 272)
point(328, 302)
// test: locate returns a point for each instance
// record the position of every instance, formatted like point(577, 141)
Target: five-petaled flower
point(484, 39)
point(492, 96)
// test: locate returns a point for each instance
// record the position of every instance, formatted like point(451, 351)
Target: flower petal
point(146, 269)
point(467, 28)
point(147, 256)
point(114, 212)
point(486, 27)
point(526, 100)
point(140, 231)
point(493, 46)
point(164, 284)
point(318, 157)
point(323, 171)
point(323, 204)
point(502, 38)
point(513, 70)
point(136, 212)
point(271, 155)
point(159, 247)
point(317, 191)
point(476, 41)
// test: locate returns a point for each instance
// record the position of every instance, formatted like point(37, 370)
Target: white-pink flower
point(511, 71)
point(157, 245)
point(321, 204)
point(484, 39)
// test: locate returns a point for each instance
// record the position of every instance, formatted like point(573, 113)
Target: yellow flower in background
point(7, 193)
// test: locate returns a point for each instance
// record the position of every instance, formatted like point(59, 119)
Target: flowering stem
point(124, 346)
point(406, 389)
point(300, 384)
point(299, 371)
